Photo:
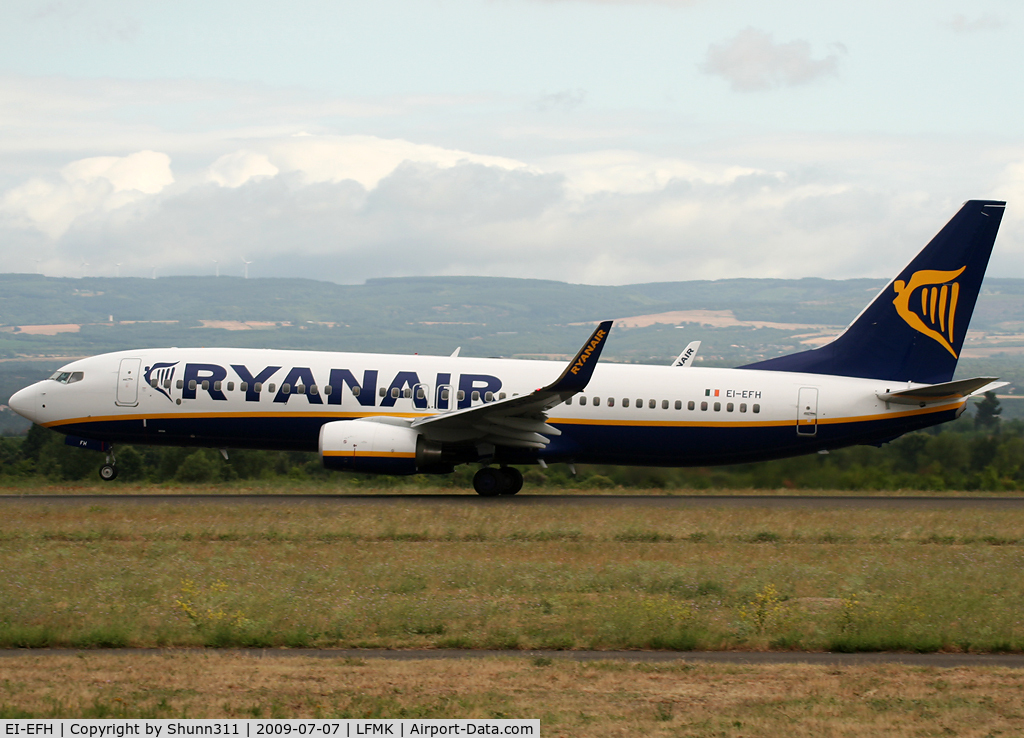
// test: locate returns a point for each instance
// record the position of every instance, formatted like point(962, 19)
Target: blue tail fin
point(915, 328)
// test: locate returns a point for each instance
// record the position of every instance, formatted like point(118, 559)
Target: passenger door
point(128, 383)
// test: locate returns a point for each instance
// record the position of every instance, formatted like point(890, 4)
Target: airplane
point(890, 372)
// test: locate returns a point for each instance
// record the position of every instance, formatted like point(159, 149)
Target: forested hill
point(33, 299)
point(44, 321)
point(28, 299)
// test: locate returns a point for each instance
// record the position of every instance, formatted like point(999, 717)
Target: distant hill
point(738, 320)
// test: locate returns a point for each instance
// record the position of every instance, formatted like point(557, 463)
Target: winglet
point(577, 374)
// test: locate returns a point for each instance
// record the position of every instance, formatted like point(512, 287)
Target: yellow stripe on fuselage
point(609, 422)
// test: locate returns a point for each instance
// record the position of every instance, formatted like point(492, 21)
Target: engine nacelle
point(378, 448)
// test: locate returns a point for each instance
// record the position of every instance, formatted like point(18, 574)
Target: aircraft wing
point(942, 392)
point(519, 421)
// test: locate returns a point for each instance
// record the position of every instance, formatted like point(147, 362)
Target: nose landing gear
point(108, 472)
point(491, 482)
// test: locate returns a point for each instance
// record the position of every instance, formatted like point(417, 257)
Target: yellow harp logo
point(937, 293)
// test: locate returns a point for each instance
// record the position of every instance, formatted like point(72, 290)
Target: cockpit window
point(68, 377)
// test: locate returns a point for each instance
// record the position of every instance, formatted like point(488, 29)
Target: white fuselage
point(628, 414)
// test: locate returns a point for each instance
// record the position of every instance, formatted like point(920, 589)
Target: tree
point(986, 413)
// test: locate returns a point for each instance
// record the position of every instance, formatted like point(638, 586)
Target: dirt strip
point(647, 501)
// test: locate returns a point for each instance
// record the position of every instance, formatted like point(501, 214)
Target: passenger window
point(597, 401)
point(244, 387)
point(286, 388)
point(651, 404)
point(206, 384)
point(703, 406)
point(216, 386)
point(420, 394)
point(383, 392)
point(664, 404)
point(743, 407)
point(300, 389)
point(192, 384)
point(611, 402)
point(625, 402)
point(258, 387)
point(270, 387)
point(461, 395)
point(728, 407)
point(583, 400)
point(231, 386)
point(689, 405)
point(444, 395)
point(313, 390)
point(476, 395)
point(757, 408)
point(167, 384)
point(718, 407)
point(355, 391)
point(154, 382)
point(501, 395)
point(407, 392)
point(394, 392)
point(179, 384)
point(328, 390)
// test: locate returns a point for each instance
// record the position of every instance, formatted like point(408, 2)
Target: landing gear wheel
point(513, 480)
point(108, 472)
point(488, 482)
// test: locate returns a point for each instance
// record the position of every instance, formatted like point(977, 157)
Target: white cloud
point(234, 170)
point(365, 159)
point(87, 186)
point(624, 171)
point(752, 61)
point(960, 23)
point(566, 100)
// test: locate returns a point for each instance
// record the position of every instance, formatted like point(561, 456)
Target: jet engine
point(379, 448)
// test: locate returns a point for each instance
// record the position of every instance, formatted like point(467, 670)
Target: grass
point(510, 577)
point(594, 698)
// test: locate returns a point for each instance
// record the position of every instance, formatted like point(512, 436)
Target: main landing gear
point(108, 472)
point(491, 482)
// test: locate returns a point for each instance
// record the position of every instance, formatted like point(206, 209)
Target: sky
point(587, 141)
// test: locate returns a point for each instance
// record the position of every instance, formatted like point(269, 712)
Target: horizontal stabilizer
point(945, 392)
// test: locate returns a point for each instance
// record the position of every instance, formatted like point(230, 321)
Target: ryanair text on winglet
point(585, 353)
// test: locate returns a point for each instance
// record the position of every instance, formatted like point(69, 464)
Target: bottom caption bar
point(115, 728)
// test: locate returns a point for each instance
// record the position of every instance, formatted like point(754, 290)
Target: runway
point(671, 502)
point(753, 658)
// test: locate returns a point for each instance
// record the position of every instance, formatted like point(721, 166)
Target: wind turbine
point(216, 266)
point(247, 263)
point(117, 271)
point(39, 269)
point(154, 272)
point(85, 264)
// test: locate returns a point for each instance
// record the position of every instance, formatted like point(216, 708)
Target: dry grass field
point(571, 699)
point(92, 576)
point(506, 576)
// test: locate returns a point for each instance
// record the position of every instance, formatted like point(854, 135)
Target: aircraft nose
point(25, 402)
